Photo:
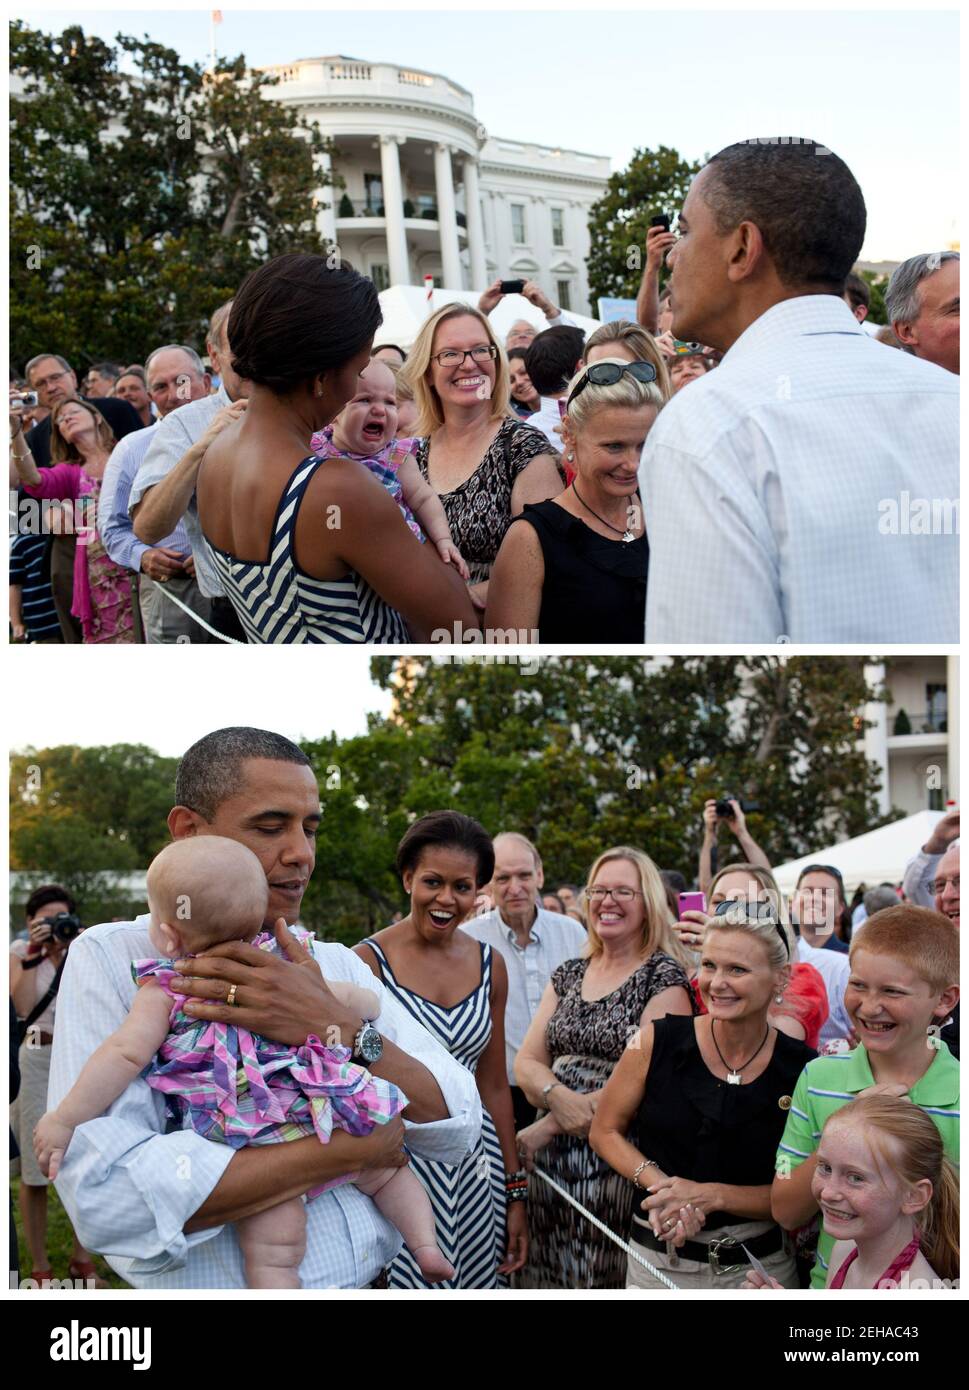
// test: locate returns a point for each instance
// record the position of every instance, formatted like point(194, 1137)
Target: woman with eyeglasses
point(573, 569)
point(692, 1115)
point(587, 1014)
point(484, 463)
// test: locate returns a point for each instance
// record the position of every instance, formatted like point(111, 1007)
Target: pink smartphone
point(691, 902)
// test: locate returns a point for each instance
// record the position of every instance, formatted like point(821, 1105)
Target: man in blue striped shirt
point(175, 376)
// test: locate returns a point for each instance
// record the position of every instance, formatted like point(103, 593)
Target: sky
point(878, 86)
point(137, 695)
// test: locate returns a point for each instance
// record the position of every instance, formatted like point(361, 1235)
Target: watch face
point(371, 1045)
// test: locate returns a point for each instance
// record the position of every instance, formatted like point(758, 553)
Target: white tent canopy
point(405, 307)
point(879, 856)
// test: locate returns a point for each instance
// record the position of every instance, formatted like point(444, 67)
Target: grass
point(60, 1241)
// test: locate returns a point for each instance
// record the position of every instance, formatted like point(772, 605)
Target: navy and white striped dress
point(278, 602)
point(469, 1200)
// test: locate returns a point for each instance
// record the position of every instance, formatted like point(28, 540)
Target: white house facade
point(429, 192)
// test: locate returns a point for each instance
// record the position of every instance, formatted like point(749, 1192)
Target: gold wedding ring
point(230, 998)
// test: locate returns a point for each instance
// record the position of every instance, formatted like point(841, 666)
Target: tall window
point(937, 708)
point(380, 275)
point(558, 226)
point(374, 194)
point(518, 223)
point(564, 293)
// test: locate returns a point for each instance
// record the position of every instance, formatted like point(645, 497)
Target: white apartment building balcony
point(428, 192)
point(915, 735)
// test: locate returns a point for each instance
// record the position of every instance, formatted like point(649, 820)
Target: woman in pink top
point(80, 446)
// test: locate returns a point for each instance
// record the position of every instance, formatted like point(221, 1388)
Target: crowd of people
point(301, 486)
point(747, 1090)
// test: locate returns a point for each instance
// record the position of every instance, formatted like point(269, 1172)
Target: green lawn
point(60, 1243)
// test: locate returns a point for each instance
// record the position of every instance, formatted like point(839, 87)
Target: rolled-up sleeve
point(445, 1141)
point(919, 873)
point(114, 523)
point(128, 1187)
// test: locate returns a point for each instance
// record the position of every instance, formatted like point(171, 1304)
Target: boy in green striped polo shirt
point(902, 987)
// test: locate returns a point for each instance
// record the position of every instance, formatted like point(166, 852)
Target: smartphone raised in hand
point(661, 220)
point(691, 902)
point(512, 286)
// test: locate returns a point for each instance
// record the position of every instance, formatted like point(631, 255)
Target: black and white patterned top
point(277, 602)
point(479, 510)
point(601, 1028)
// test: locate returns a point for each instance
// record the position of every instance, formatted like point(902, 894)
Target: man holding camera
point(36, 966)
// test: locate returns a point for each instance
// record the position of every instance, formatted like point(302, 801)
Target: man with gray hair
point(531, 940)
point(175, 376)
point(922, 301)
point(163, 492)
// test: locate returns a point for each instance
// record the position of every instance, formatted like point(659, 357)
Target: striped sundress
point(277, 602)
point(468, 1200)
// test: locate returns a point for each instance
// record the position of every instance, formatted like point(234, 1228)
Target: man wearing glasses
point(55, 382)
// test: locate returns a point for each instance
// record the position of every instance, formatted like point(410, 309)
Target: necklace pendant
point(733, 1078)
point(628, 536)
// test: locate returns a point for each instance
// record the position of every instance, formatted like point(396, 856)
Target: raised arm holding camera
point(36, 966)
point(729, 811)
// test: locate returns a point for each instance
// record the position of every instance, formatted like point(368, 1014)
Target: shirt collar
point(938, 1086)
point(800, 317)
point(533, 935)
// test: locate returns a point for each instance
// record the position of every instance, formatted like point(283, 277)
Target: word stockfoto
point(76, 1343)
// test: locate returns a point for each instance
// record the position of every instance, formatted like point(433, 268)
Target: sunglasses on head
point(608, 373)
point(755, 912)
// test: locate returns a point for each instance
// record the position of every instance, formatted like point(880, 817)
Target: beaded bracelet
point(516, 1186)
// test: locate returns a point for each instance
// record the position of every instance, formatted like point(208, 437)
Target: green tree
point(82, 816)
point(877, 285)
point(656, 181)
point(143, 191)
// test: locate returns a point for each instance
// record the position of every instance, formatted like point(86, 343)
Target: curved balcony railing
point(931, 722)
point(363, 207)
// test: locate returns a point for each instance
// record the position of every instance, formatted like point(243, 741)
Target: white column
point(325, 193)
point(476, 236)
point(394, 210)
point(447, 218)
point(952, 705)
point(876, 738)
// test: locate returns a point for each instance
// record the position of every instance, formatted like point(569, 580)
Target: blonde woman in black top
point(573, 569)
point(693, 1113)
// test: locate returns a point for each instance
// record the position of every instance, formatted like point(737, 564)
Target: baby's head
point(205, 890)
point(369, 421)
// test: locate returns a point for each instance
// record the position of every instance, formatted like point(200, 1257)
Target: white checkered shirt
point(785, 491)
point(129, 1187)
point(553, 939)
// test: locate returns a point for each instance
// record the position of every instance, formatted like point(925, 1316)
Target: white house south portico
point(428, 192)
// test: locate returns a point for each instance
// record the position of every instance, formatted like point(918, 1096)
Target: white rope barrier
point(601, 1226)
point(201, 621)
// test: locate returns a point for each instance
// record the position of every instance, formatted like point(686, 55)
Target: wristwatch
point(368, 1045)
point(550, 1087)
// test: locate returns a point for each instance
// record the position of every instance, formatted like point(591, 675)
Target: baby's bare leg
point(400, 1196)
point(273, 1245)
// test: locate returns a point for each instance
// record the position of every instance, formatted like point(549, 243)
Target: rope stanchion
point(201, 621)
point(601, 1226)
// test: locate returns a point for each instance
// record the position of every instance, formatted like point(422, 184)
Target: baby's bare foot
point(434, 1267)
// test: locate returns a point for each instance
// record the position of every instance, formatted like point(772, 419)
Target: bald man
point(531, 940)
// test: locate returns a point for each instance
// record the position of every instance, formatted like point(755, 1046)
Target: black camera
point(64, 927)
point(724, 809)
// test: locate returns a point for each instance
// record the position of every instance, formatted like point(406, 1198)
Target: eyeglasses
point(938, 887)
point(619, 895)
point(754, 912)
point(47, 380)
point(451, 357)
point(608, 373)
